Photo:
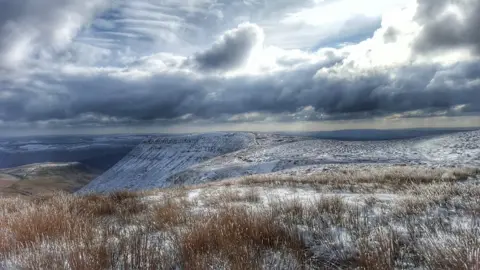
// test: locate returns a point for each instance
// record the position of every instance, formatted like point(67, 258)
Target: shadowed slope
point(151, 163)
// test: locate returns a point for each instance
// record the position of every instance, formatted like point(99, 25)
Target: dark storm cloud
point(448, 24)
point(110, 99)
point(232, 50)
point(174, 88)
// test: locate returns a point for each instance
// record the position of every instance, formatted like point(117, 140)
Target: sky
point(203, 65)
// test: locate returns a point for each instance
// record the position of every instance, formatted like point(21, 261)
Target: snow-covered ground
point(179, 160)
point(151, 163)
point(415, 218)
point(404, 204)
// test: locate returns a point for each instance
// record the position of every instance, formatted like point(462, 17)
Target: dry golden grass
point(122, 204)
point(432, 224)
point(238, 239)
point(32, 223)
point(169, 213)
point(455, 251)
point(367, 180)
point(228, 196)
point(410, 206)
point(379, 251)
point(96, 205)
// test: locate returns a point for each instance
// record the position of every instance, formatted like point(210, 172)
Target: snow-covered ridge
point(168, 161)
point(151, 163)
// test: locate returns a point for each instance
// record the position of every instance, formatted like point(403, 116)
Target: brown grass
point(227, 196)
point(410, 206)
point(429, 225)
point(121, 204)
point(328, 210)
point(238, 238)
point(380, 251)
point(396, 178)
point(169, 213)
point(33, 223)
point(455, 251)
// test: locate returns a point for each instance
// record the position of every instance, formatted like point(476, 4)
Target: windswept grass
point(228, 196)
point(432, 224)
point(396, 178)
point(237, 238)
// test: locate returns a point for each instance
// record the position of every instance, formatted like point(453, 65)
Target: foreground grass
point(432, 224)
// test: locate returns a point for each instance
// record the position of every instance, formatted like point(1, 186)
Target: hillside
point(171, 161)
point(257, 201)
point(390, 218)
point(152, 163)
point(37, 179)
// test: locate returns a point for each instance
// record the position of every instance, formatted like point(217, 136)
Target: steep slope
point(151, 163)
point(166, 162)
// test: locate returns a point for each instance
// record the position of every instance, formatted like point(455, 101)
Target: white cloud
point(150, 62)
point(336, 12)
point(329, 22)
point(30, 28)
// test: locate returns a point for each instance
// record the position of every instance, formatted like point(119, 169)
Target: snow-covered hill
point(165, 162)
point(152, 163)
point(458, 148)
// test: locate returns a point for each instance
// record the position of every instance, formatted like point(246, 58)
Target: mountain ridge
point(192, 159)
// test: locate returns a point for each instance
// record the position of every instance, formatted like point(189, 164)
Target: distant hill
point(99, 158)
point(100, 152)
point(36, 179)
point(377, 134)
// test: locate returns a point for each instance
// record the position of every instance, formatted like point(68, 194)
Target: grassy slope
point(36, 181)
point(427, 219)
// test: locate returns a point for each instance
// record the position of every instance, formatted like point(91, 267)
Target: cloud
point(30, 28)
point(447, 25)
point(95, 79)
point(325, 89)
point(182, 27)
point(390, 35)
point(232, 50)
point(330, 23)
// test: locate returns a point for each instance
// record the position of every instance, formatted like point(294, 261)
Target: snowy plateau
point(195, 159)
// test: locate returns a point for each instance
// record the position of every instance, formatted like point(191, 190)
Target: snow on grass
point(431, 224)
